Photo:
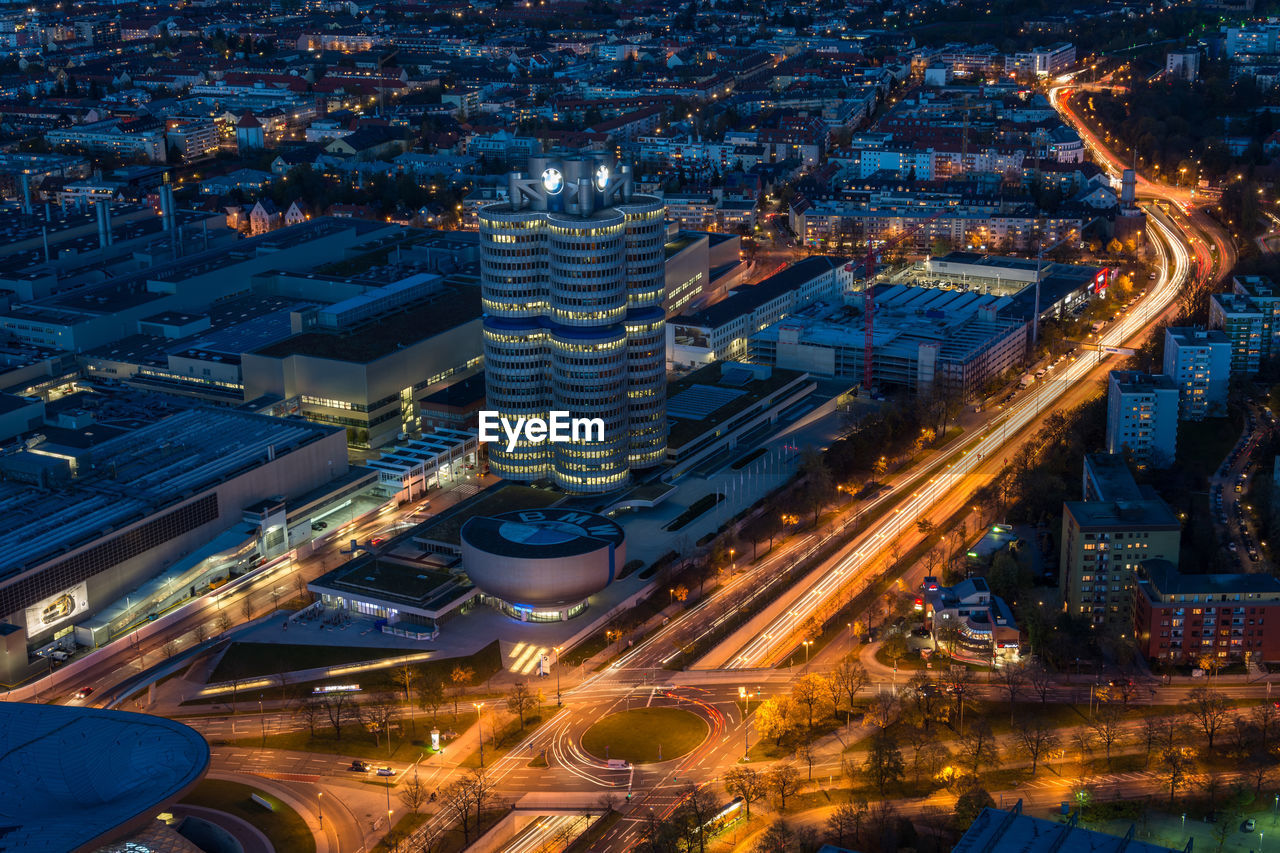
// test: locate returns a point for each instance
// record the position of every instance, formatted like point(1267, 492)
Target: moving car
point(83, 692)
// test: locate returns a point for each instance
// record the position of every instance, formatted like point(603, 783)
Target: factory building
point(95, 520)
point(924, 338)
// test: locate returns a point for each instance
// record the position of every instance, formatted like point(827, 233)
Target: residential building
point(1142, 417)
point(112, 136)
point(1184, 618)
point(1107, 478)
point(1183, 64)
point(1199, 363)
point(1103, 542)
point(573, 279)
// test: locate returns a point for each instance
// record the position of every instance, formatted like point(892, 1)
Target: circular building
point(541, 565)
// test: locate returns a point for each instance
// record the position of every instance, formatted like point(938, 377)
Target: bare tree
point(845, 823)
point(1265, 718)
point(246, 607)
point(1041, 681)
point(697, 808)
point(806, 754)
point(848, 677)
point(746, 782)
point(377, 716)
point(783, 781)
point(337, 709)
point(1210, 710)
point(222, 622)
point(457, 799)
point(1173, 769)
point(1011, 679)
point(1107, 725)
point(978, 745)
point(309, 709)
point(200, 632)
point(521, 699)
point(882, 711)
point(1036, 740)
point(482, 792)
point(407, 677)
point(431, 695)
point(170, 648)
point(413, 793)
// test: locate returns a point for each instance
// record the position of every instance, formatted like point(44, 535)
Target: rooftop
point(1111, 478)
point(1135, 382)
point(135, 474)
point(112, 770)
point(1151, 514)
point(446, 309)
point(748, 298)
point(997, 831)
point(1162, 578)
point(445, 527)
point(711, 395)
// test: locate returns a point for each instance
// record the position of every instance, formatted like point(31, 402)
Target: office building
point(720, 332)
point(1199, 363)
point(975, 624)
point(1142, 417)
point(1188, 618)
point(1103, 542)
point(1042, 61)
point(573, 278)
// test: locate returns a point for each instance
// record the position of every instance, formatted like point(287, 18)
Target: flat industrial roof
point(748, 298)
point(443, 310)
point(132, 475)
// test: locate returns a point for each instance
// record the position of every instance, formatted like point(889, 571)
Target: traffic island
point(645, 735)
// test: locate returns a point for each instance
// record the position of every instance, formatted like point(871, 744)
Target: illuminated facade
point(572, 283)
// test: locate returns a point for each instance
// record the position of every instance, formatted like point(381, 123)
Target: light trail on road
point(776, 637)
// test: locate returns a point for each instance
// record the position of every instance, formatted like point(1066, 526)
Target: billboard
point(57, 609)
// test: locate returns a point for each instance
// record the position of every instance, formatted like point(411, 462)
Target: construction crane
point(869, 303)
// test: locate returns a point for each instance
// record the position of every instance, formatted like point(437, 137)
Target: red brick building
point(1186, 618)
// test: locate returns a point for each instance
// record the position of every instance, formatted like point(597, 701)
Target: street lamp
point(746, 722)
point(807, 644)
point(480, 728)
point(557, 651)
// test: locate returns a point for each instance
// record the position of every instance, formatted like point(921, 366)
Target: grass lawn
point(355, 742)
point(642, 734)
point(405, 826)
point(284, 827)
point(1202, 445)
point(484, 663)
point(251, 660)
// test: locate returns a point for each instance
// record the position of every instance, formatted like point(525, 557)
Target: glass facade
point(572, 286)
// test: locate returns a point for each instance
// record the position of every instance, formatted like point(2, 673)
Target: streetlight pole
point(320, 807)
point(262, 720)
point(480, 728)
point(807, 644)
point(557, 651)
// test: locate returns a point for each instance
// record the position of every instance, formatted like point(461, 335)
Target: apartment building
point(1199, 363)
point(1202, 619)
point(1142, 417)
point(1103, 543)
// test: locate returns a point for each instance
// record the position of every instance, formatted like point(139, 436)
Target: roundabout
point(645, 735)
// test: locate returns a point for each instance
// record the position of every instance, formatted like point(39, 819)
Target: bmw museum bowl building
point(541, 565)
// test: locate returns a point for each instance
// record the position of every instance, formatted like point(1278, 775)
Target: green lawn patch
point(355, 742)
point(645, 735)
point(283, 827)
